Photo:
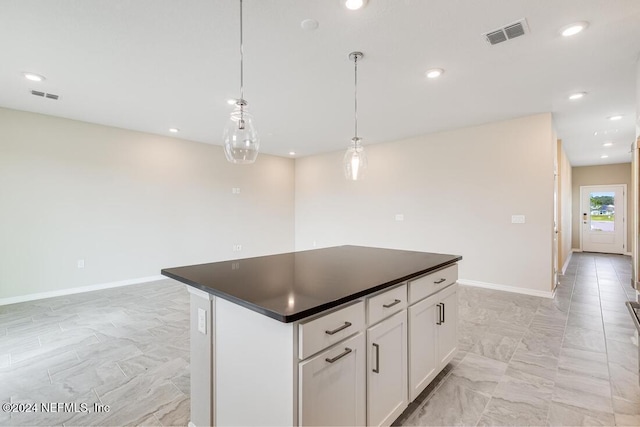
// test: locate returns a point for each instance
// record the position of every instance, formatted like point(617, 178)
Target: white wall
point(128, 203)
point(457, 191)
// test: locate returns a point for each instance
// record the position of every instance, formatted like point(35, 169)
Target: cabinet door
point(332, 386)
point(423, 358)
point(448, 329)
point(387, 370)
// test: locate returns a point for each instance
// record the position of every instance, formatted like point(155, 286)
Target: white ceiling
point(150, 65)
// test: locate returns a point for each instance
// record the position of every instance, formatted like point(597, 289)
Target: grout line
point(118, 365)
point(49, 374)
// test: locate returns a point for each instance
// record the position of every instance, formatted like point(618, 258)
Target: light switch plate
point(399, 217)
point(517, 219)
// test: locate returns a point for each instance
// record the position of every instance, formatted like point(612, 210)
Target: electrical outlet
point(235, 190)
point(517, 219)
point(202, 321)
point(399, 217)
point(315, 244)
point(237, 248)
point(80, 263)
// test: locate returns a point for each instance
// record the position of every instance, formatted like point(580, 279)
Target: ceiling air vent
point(508, 32)
point(45, 95)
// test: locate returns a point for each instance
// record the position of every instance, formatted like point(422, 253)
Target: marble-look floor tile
point(585, 321)
point(592, 309)
point(469, 334)
point(519, 402)
point(478, 373)
point(620, 333)
point(541, 365)
point(617, 306)
point(627, 413)
point(541, 341)
point(567, 415)
point(584, 339)
point(499, 342)
point(175, 413)
point(451, 405)
point(624, 383)
point(583, 362)
point(623, 353)
point(583, 391)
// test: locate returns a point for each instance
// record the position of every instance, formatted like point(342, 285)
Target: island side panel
point(202, 358)
point(255, 368)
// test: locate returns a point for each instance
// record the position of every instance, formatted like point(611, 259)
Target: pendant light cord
point(241, 57)
point(355, 94)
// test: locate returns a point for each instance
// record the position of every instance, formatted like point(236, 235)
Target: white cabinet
point(332, 386)
point(433, 339)
point(387, 370)
point(448, 326)
point(423, 359)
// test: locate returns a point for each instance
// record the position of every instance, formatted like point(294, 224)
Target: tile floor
point(523, 360)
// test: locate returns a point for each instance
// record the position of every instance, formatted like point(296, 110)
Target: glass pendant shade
point(241, 141)
point(355, 160)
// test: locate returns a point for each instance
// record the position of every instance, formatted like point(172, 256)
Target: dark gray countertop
point(292, 286)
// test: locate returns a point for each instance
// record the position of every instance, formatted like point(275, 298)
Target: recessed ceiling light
point(33, 77)
point(577, 95)
point(434, 73)
point(607, 144)
point(232, 101)
point(174, 130)
point(614, 118)
point(309, 24)
point(573, 29)
point(292, 153)
point(604, 156)
point(354, 4)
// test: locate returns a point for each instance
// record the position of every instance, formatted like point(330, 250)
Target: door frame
point(624, 210)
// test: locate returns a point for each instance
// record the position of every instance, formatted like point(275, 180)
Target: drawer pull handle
point(397, 301)
point(443, 320)
point(377, 368)
point(346, 351)
point(439, 281)
point(345, 326)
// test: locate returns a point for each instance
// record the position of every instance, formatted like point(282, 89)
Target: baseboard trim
point(78, 290)
point(507, 288)
point(576, 250)
point(566, 263)
point(629, 254)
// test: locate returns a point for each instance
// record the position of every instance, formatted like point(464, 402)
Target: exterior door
point(603, 209)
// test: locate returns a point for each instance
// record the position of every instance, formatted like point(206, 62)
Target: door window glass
point(602, 211)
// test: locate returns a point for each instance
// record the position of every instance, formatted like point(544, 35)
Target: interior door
point(603, 218)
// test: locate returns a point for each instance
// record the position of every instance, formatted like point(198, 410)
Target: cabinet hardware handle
point(346, 351)
point(440, 281)
point(439, 322)
point(443, 320)
point(397, 301)
point(345, 326)
point(377, 368)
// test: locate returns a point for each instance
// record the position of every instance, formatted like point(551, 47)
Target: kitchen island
point(346, 335)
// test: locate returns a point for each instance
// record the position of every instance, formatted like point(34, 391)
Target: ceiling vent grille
point(508, 32)
point(45, 95)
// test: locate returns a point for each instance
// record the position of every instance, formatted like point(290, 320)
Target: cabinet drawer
point(324, 331)
point(432, 283)
point(387, 303)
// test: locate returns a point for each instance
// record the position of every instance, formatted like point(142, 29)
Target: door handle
point(397, 301)
point(439, 322)
point(346, 351)
point(345, 326)
point(377, 368)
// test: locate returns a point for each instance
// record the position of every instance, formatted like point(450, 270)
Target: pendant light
point(355, 159)
point(241, 141)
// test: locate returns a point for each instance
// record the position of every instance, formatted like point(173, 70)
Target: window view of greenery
point(603, 211)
